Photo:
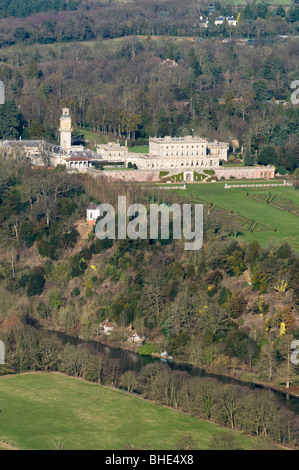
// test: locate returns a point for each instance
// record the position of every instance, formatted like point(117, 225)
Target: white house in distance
point(230, 19)
point(107, 326)
point(170, 62)
point(134, 337)
point(93, 212)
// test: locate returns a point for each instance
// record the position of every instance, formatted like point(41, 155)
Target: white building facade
point(170, 153)
point(113, 152)
point(93, 211)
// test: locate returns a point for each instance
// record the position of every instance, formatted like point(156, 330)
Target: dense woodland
point(198, 306)
point(49, 21)
point(120, 88)
point(99, 60)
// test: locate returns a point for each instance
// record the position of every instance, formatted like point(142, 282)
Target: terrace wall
point(247, 172)
point(127, 175)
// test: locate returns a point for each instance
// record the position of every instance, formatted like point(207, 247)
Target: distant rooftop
point(84, 155)
point(22, 143)
point(186, 138)
point(92, 206)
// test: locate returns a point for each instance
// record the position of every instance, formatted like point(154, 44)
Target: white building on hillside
point(113, 152)
point(172, 153)
point(93, 212)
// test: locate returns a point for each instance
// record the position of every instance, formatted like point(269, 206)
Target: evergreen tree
point(267, 156)
point(36, 130)
point(249, 158)
point(10, 121)
point(280, 11)
point(194, 63)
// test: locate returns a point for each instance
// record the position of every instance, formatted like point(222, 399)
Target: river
point(131, 361)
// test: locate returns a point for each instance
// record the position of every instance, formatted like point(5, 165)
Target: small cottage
point(93, 212)
point(107, 326)
point(134, 337)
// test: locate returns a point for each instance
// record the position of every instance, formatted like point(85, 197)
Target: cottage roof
point(133, 333)
point(108, 324)
point(92, 206)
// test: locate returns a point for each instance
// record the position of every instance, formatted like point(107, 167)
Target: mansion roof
point(84, 155)
point(22, 143)
point(33, 144)
point(77, 159)
point(169, 139)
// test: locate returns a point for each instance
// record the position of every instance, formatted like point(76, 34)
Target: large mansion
point(173, 154)
point(170, 153)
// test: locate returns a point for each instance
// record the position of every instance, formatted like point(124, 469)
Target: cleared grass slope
point(39, 408)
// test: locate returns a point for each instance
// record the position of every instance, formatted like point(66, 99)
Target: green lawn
point(139, 149)
point(39, 408)
point(93, 137)
point(286, 224)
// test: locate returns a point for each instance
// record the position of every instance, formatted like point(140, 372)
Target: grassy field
point(37, 409)
point(236, 200)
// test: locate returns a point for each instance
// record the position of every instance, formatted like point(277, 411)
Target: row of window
point(182, 154)
point(183, 146)
point(182, 164)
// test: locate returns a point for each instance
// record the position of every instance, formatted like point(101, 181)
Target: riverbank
point(240, 377)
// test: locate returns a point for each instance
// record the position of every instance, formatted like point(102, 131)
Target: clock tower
point(65, 130)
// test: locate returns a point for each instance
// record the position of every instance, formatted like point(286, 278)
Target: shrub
point(43, 248)
point(78, 266)
point(36, 285)
point(43, 310)
point(88, 292)
point(75, 292)
point(47, 250)
point(55, 300)
point(69, 239)
point(27, 232)
point(101, 245)
point(236, 305)
point(48, 266)
point(224, 295)
point(85, 253)
point(148, 349)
